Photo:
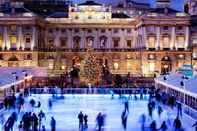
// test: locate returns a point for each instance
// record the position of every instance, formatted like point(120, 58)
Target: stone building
point(126, 38)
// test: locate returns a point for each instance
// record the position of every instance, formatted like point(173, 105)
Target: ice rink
point(65, 112)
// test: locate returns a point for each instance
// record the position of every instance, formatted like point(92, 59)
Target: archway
point(13, 61)
point(76, 61)
point(166, 65)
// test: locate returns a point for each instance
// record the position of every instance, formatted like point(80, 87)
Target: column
point(57, 39)
point(134, 39)
point(173, 36)
point(33, 42)
point(20, 43)
point(70, 38)
point(109, 39)
point(145, 37)
point(6, 38)
point(158, 38)
point(186, 38)
point(83, 39)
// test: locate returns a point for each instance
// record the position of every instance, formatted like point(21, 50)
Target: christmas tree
point(92, 69)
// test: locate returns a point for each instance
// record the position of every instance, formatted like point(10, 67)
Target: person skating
point(163, 126)
point(150, 109)
point(153, 126)
point(179, 109)
point(41, 115)
point(177, 124)
point(195, 125)
point(35, 122)
point(53, 124)
point(124, 119)
point(85, 121)
point(50, 104)
point(160, 110)
point(80, 117)
point(126, 105)
point(100, 121)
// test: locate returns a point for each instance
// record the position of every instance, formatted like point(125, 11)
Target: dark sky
point(177, 4)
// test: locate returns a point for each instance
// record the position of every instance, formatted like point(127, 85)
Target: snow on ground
point(65, 112)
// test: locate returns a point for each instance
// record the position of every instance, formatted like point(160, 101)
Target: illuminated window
point(129, 65)
point(13, 41)
point(151, 56)
point(166, 42)
point(180, 41)
point(151, 42)
point(194, 41)
point(152, 67)
point(1, 41)
point(27, 41)
point(51, 65)
point(181, 57)
point(116, 66)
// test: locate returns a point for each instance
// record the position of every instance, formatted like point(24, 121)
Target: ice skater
point(163, 126)
point(85, 121)
point(143, 121)
point(153, 126)
point(159, 110)
point(41, 115)
point(150, 109)
point(177, 124)
point(126, 105)
point(53, 124)
point(80, 117)
point(195, 125)
point(100, 121)
point(50, 104)
point(179, 109)
point(124, 119)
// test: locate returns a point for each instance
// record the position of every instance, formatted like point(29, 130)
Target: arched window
point(103, 41)
point(90, 41)
point(76, 42)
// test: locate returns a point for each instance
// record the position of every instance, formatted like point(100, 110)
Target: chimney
point(162, 3)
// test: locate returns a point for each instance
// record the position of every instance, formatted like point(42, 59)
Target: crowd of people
point(31, 121)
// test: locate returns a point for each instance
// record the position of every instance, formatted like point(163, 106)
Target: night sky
point(177, 4)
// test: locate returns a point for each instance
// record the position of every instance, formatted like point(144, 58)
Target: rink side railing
point(90, 91)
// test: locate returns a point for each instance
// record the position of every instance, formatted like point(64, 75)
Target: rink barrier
point(90, 91)
point(190, 111)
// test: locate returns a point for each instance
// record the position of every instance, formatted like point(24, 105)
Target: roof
point(120, 15)
point(45, 9)
point(90, 3)
point(138, 3)
point(59, 15)
point(164, 10)
point(174, 80)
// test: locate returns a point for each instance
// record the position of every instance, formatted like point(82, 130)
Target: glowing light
point(116, 66)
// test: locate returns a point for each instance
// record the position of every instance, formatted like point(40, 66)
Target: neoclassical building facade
point(125, 38)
